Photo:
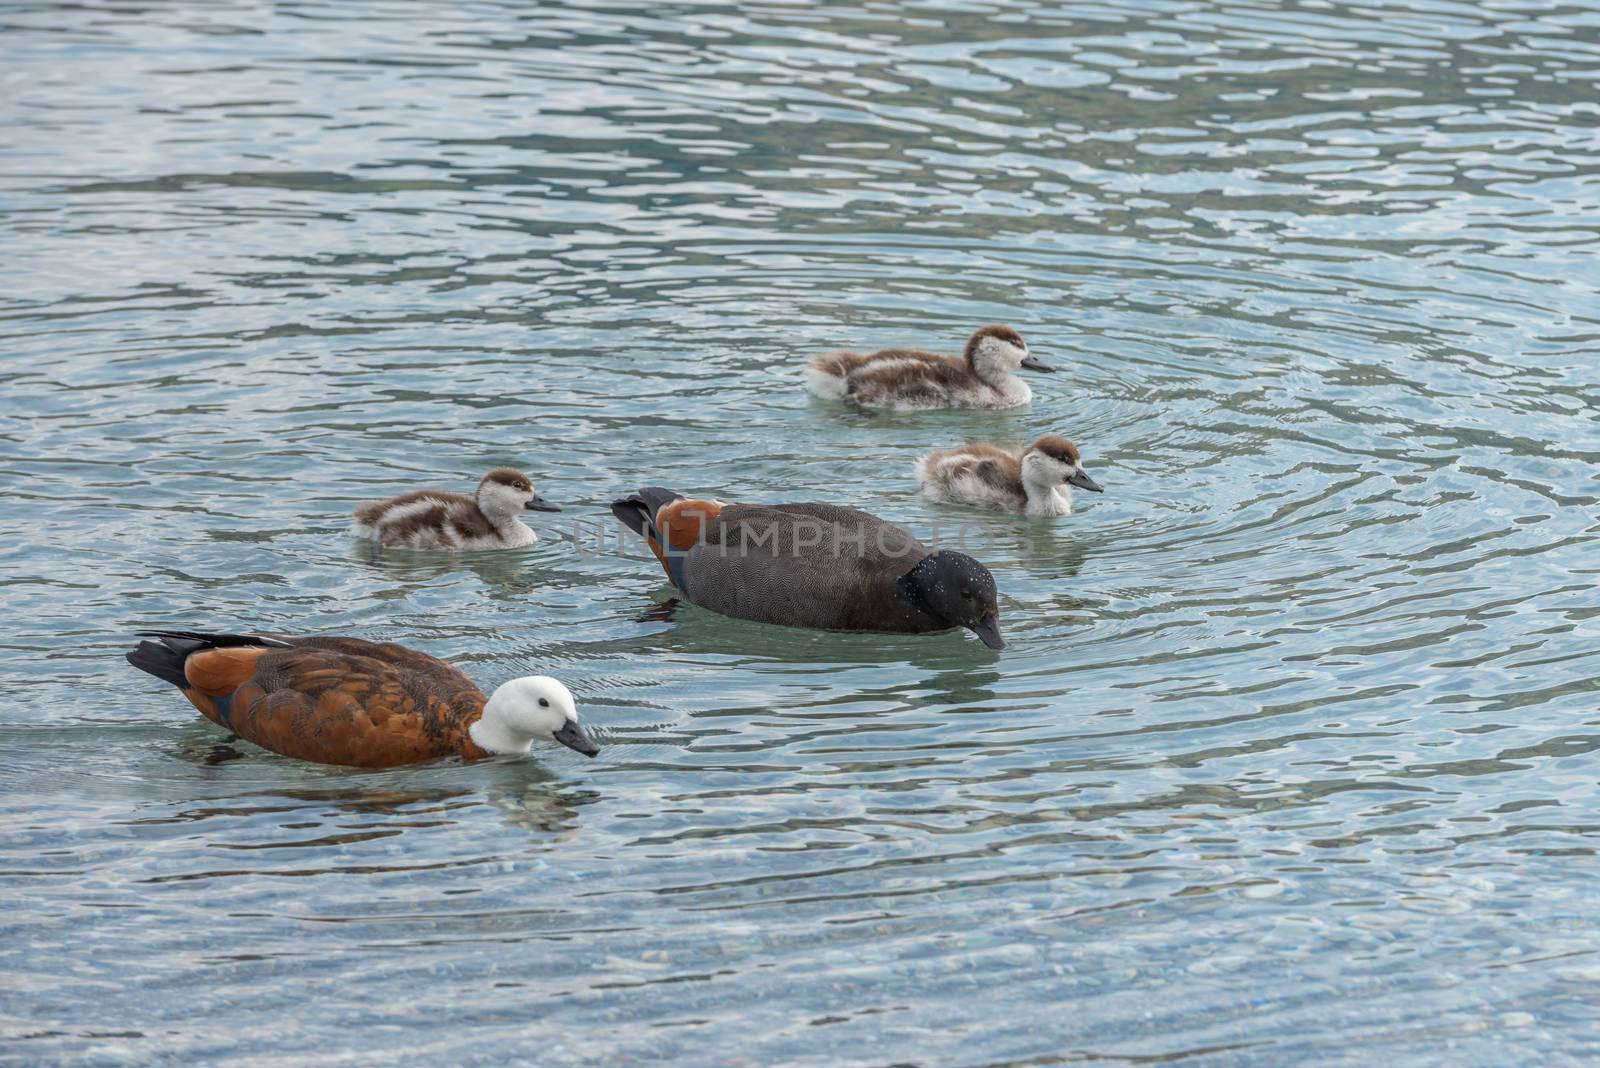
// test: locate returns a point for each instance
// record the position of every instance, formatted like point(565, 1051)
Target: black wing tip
point(216, 640)
point(162, 661)
point(640, 507)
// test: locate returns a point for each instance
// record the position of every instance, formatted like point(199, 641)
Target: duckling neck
point(504, 522)
point(511, 525)
point(992, 370)
point(1046, 498)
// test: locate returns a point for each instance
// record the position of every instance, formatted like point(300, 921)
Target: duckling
point(1033, 481)
point(911, 379)
point(437, 519)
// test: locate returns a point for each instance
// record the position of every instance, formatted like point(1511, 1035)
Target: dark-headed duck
point(811, 565)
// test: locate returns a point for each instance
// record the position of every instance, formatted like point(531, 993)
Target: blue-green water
point(1292, 757)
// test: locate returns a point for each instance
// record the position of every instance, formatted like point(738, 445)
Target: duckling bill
point(813, 565)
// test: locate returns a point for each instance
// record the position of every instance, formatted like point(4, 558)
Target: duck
point(1035, 481)
point(347, 701)
point(439, 519)
point(912, 380)
point(816, 565)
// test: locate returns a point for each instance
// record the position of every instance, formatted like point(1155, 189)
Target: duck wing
point(398, 657)
point(391, 509)
point(337, 707)
point(907, 377)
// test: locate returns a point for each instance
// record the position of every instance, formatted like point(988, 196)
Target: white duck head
point(534, 707)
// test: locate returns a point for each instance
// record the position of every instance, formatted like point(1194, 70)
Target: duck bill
point(1083, 481)
point(575, 737)
point(539, 504)
point(988, 629)
point(1033, 363)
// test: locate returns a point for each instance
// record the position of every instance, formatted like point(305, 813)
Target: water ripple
point(1291, 756)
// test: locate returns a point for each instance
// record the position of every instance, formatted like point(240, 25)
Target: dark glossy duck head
point(955, 588)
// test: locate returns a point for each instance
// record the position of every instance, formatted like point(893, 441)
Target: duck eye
point(544, 702)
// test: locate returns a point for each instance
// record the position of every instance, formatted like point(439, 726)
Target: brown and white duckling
point(911, 379)
point(438, 519)
point(1035, 481)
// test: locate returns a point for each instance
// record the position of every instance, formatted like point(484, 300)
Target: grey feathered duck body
point(813, 565)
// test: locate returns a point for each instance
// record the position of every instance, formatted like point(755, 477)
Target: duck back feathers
point(979, 473)
point(806, 565)
point(425, 519)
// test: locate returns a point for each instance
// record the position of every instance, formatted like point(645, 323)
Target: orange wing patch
point(219, 672)
point(683, 523)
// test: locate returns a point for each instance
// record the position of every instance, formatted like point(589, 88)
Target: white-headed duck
point(354, 702)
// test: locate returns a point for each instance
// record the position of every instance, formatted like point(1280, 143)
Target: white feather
point(827, 384)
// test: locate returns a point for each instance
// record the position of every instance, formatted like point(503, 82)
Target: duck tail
point(638, 509)
point(164, 657)
point(161, 660)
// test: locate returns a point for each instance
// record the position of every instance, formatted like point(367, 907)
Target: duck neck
point(910, 594)
point(493, 735)
point(514, 526)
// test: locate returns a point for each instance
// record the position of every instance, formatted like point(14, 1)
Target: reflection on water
point(1290, 757)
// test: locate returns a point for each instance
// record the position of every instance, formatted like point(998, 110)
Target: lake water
point(1292, 756)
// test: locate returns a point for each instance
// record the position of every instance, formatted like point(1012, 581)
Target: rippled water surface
point(1292, 756)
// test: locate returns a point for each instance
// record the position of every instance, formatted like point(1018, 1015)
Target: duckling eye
point(544, 702)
